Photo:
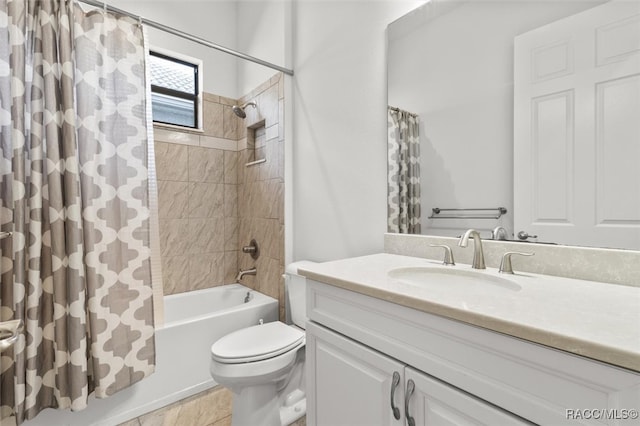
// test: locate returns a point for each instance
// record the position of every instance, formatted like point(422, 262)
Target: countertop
point(592, 319)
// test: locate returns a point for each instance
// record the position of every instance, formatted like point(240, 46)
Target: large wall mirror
point(530, 109)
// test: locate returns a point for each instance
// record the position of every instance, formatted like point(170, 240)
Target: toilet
point(263, 365)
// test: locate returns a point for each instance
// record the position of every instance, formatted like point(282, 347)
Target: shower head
point(239, 111)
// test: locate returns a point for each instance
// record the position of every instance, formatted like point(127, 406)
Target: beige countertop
point(587, 318)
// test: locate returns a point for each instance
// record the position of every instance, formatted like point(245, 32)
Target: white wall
point(456, 73)
point(212, 20)
point(257, 28)
point(339, 137)
point(261, 32)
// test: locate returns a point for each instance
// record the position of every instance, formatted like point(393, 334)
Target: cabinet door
point(434, 403)
point(350, 384)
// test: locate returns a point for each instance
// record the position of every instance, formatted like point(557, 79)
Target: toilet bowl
point(263, 365)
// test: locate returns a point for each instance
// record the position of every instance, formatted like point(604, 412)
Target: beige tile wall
point(210, 204)
point(261, 188)
point(198, 200)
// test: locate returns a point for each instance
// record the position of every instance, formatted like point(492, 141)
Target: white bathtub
point(193, 321)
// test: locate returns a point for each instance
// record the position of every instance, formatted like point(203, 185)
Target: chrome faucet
point(242, 273)
point(478, 255)
point(499, 233)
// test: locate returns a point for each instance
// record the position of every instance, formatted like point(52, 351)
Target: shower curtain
point(403, 177)
point(74, 192)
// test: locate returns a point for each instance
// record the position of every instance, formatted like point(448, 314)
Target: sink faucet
point(478, 255)
point(499, 233)
point(242, 273)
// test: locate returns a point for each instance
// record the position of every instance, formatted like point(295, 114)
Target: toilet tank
point(296, 293)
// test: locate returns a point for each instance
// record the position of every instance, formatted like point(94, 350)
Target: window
point(175, 91)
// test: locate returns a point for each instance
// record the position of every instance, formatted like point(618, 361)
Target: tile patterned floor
point(210, 408)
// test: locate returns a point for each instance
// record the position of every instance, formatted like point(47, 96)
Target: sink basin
point(452, 278)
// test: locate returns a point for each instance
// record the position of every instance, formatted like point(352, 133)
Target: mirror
point(454, 66)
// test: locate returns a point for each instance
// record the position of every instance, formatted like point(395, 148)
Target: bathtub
point(193, 321)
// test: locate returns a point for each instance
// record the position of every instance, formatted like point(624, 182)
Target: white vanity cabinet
point(433, 402)
point(462, 374)
point(353, 385)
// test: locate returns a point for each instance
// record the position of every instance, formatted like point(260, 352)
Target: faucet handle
point(252, 249)
point(505, 264)
point(448, 254)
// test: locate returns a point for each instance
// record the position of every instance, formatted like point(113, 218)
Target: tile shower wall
point(211, 204)
point(198, 200)
point(261, 188)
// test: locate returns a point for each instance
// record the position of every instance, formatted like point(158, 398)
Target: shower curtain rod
point(187, 36)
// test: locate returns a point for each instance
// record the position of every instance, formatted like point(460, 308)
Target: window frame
point(197, 98)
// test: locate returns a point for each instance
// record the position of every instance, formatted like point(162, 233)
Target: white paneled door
point(577, 128)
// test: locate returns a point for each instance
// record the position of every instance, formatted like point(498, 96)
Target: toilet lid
point(256, 343)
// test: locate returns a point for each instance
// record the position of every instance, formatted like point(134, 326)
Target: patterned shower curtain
point(403, 177)
point(73, 190)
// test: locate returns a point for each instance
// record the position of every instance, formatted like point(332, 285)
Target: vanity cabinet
point(435, 403)
point(354, 385)
point(461, 374)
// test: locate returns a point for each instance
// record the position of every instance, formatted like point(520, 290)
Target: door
point(349, 384)
point(576, 128)
point(435, 403)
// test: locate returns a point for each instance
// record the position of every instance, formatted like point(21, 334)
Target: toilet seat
point(256, 343)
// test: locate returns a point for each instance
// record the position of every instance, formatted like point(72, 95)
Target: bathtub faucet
point(242, 273)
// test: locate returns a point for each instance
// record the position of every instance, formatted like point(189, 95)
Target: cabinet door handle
point(411, 386)
point(394, 386)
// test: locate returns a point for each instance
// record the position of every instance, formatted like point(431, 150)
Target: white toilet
point(264, 364)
